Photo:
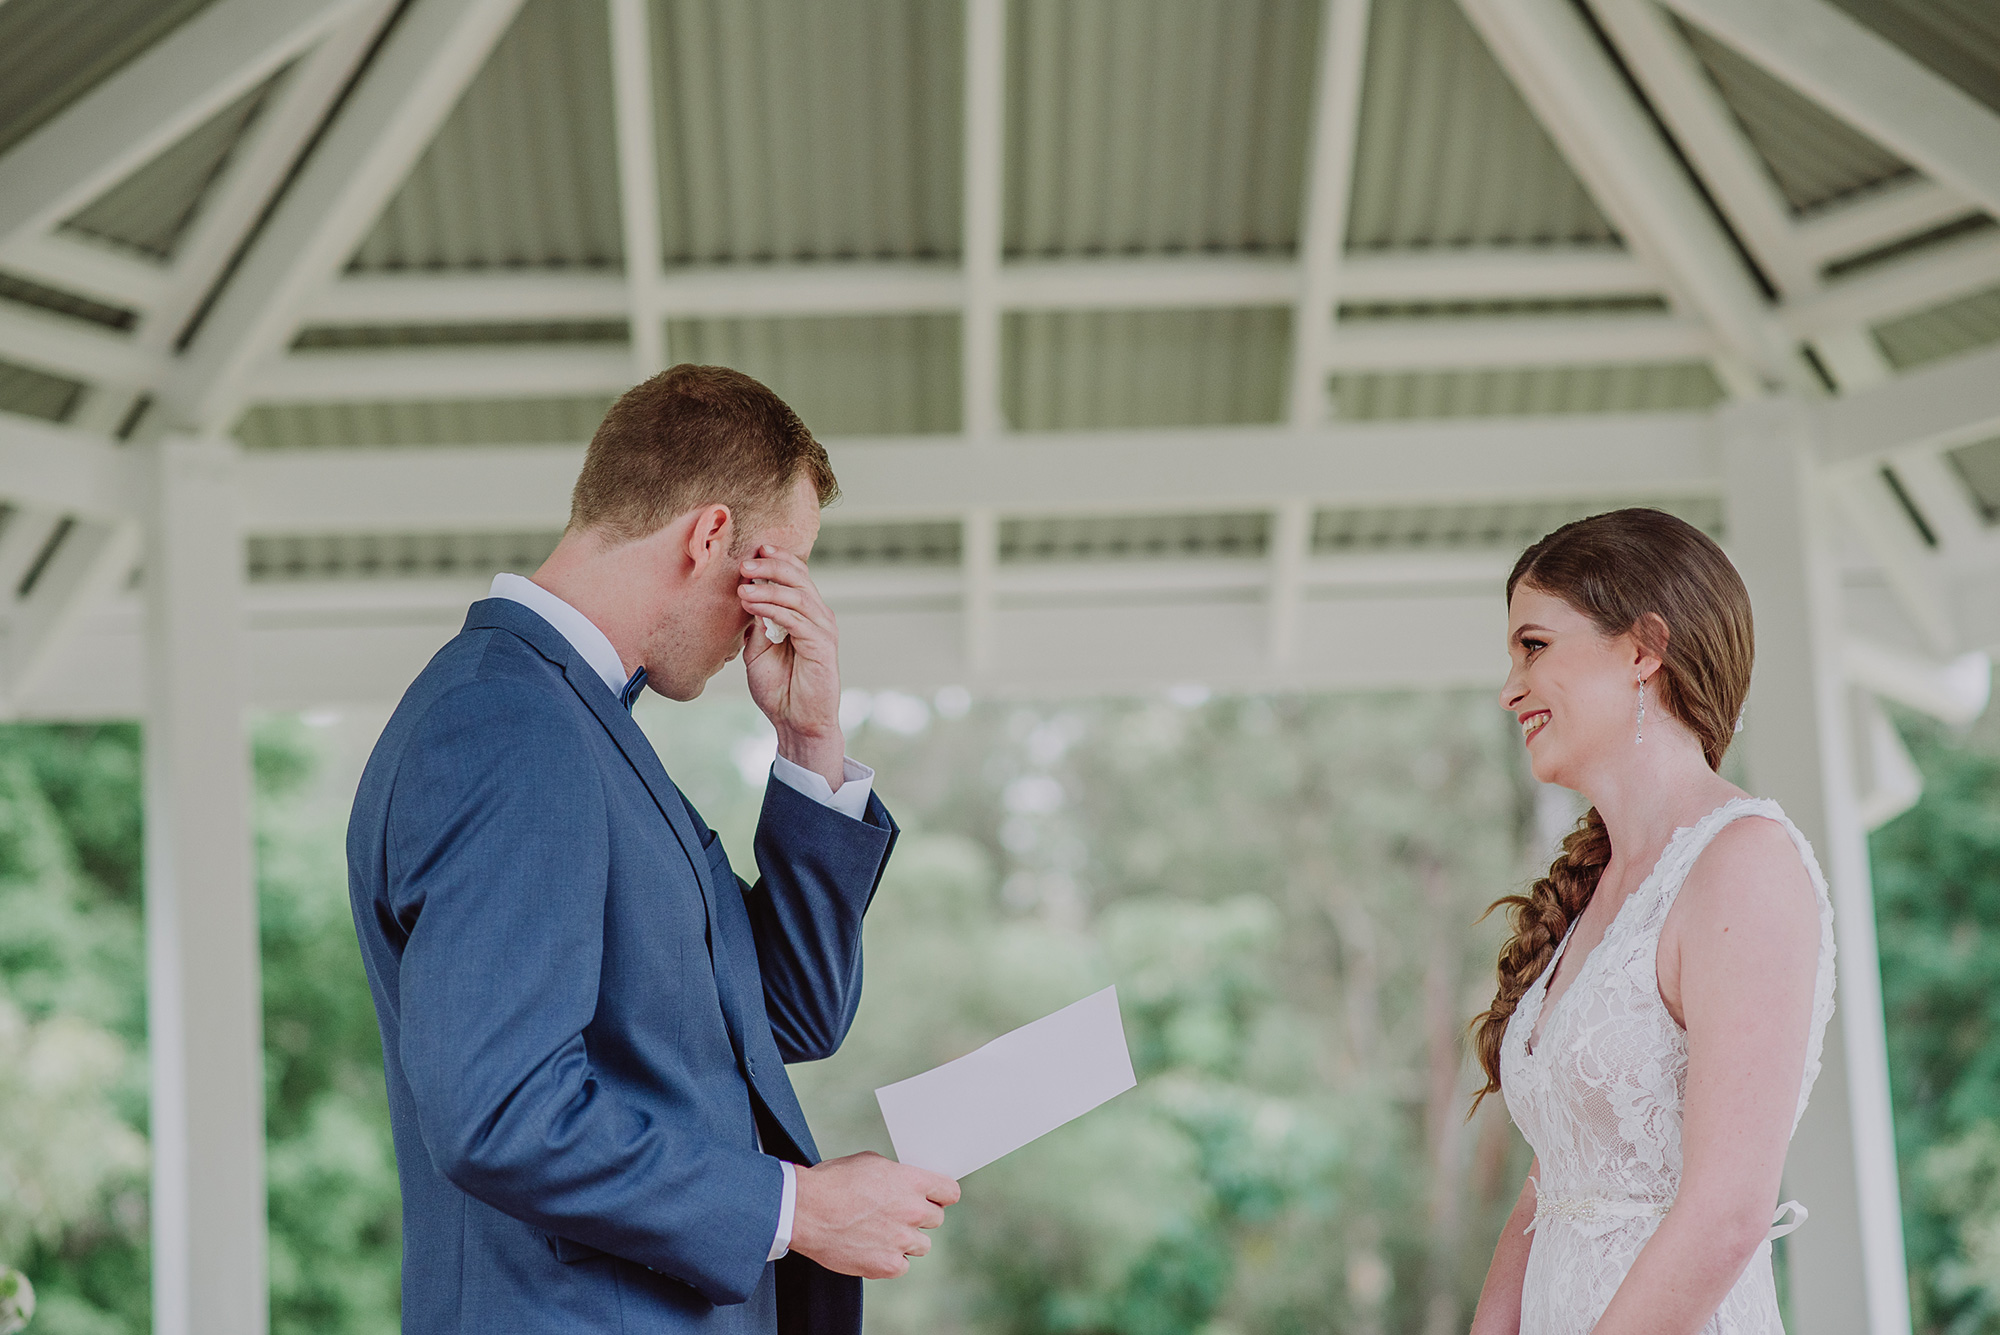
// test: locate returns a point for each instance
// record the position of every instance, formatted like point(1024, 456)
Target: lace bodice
point(1600, 1100)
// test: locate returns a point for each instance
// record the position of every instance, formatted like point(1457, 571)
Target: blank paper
point(967, 1113)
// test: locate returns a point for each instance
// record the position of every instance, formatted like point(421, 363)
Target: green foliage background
point(1284, 890)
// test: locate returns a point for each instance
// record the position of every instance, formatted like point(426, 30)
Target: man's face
point(705, 630)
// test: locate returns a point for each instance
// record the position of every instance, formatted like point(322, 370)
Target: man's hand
point(796, 683)
point(865, 1215)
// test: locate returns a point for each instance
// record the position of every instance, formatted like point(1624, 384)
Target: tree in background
point(1937, 896)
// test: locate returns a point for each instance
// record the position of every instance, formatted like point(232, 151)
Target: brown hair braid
point(1645, 573)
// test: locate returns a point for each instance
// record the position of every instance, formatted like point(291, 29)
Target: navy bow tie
point(632, 689)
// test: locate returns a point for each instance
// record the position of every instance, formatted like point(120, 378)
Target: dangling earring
point(1639, 729)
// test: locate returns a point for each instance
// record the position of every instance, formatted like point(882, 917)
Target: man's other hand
point(866, 1215)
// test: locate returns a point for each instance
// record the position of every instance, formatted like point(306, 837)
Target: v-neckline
point(1544, 1011)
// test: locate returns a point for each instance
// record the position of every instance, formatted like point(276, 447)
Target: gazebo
point(1155, 341)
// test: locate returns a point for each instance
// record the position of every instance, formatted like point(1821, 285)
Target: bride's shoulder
point(1750, 875)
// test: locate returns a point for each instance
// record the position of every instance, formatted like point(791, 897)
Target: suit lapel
point(504, 614)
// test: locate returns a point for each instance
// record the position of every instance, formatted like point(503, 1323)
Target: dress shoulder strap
point(1690, 842)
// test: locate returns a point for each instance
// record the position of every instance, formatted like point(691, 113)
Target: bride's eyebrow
point(1519, 631)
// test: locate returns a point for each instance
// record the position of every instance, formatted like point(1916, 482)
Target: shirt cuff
point(856, 787)
point(786, 1208)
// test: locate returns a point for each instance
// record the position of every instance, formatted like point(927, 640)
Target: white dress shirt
point(851, 799)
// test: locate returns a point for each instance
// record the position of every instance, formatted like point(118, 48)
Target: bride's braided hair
point(1655, 576)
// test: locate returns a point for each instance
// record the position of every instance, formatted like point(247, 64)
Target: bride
point(1664, 994)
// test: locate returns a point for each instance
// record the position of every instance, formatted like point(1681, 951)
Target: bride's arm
point(1500, 1296)
point(1737, 965)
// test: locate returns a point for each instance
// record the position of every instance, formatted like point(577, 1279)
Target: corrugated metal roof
point(150, 210)
point(292, 558)
point(1978, 466)
point(1135, 537)
point(54, 51)
point(814, 131)
point(1942, 331)
point(1815, 157)
point(37, 394)
point(13, 287)
point(1526, 391)
point(306, 426)
point(1078, 370)
point(897, 543)
point(1473, 527)
point(524, 172)
point(1145, 126)
point(1960, 39)
point(1449, 154)
point(1363, 312)
point(463, 335)
point(846, 375)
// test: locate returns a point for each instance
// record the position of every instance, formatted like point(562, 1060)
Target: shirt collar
point(582, 634)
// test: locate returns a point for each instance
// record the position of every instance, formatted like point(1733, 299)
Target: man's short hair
point(692, 436)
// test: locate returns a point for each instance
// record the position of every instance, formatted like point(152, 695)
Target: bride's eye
point(1533, 647)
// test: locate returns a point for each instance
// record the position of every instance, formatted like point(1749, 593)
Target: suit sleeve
point(818, 870)
point(498, 870)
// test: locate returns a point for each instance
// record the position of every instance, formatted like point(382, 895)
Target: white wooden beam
point(195, 71)
point(74, 472)
point(982, 238)
point(1848, 1272)
point(1942, 405)
point(1581, 98)
point(1709, 133)
point(469, 489)
point(638, 180)
point(502, 372)
point(1291, 553)
point(87, 267)
point(1867, 81)
point(1499, 341)
point(979, 535)
point(1495, 273)
point(89, 563)
point(411, 85)
point(256, 170)
point(78, 349)
point(1937, 274)
point(872, 287)
point(1884, 215)
point(1343, 52)
point(203, 1018)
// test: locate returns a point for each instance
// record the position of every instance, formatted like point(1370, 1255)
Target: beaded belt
point(1590, 1209)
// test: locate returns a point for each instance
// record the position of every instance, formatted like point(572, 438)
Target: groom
point(585, 1014)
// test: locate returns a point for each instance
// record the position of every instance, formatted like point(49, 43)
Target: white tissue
point(773, 631)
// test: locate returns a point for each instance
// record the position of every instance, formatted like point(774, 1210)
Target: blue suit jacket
point(585, 1013)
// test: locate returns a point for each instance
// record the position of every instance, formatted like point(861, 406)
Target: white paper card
point(967, 1113)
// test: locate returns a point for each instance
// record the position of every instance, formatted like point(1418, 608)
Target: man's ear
point(709, 536)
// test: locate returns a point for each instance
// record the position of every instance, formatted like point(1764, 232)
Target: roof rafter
point(194, 72)
point(1095, 472)
point(59, 468)
point(1583, 102)
point(638, 181)
point(983, 237)
point(412, 83)
point(1872, 84)
point(1343, 51)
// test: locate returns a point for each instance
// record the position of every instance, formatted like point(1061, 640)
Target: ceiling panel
point(150, 211)
point(1078, 370)
point(794, 131)
point(849, 375)
point(1942, 331)
point(307, 426)
point(36, 394)
point(1523, 392)
point(1815, 157)
point(1449, 154)
point(54, 51)
point(524, 172)
point(1960, 39)
point(1151, 126)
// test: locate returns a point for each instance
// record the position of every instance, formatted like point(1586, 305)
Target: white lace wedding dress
point(1600, 1099)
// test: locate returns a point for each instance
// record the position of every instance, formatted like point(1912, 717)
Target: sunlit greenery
point(1283, 889)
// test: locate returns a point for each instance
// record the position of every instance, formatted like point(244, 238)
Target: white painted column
point(204, 997)
point(1848, 1271)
